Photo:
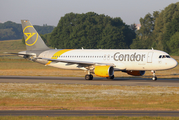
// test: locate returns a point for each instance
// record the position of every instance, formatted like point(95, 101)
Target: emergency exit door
point(149, 57)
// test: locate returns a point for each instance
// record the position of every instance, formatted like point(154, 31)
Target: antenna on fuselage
point(152, 48)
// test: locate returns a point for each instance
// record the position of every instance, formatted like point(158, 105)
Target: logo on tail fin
point(28, 35)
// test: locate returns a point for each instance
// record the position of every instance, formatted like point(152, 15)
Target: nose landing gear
point(154, 78)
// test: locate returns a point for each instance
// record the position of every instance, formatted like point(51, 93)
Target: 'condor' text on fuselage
point(128, 57)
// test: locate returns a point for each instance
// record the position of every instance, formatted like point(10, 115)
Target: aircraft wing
point(87, 63)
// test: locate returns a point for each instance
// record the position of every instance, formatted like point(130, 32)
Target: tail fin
point(33, 40)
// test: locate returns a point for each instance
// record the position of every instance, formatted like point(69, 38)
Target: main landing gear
point(88, 77)
point(154, 78)
point(111, 77)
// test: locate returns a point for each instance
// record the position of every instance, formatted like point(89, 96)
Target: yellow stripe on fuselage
point(59, 53)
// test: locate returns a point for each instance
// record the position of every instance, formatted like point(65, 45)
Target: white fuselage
point(100, 62)
point(121, 59)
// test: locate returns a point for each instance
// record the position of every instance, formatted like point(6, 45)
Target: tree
point(172, 30)
point(144, 38)
point(163, 24)
point(91, 30)
point(173, 44)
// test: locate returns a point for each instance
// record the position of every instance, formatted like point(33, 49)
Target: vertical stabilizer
point(33, 40)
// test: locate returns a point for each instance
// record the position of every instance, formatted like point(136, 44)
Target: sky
point(49, 12)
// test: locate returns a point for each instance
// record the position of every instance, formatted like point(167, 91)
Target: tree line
point(91, 31)
point(160, 30)
point(11, 30)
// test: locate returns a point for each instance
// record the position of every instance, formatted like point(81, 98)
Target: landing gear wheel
point(88, 77)
point(91, 77)
point(111, 77)
point(154, 78)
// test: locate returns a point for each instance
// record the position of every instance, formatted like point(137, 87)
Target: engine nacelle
point(104, 71)
point(136, 73)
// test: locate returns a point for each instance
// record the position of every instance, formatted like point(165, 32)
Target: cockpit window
point(167, 56)
point(164, 56)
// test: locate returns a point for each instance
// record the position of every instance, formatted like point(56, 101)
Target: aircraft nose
point(173, 63)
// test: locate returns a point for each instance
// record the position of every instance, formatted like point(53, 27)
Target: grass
point(44, 96)
point(85, 118)
point(11, 46)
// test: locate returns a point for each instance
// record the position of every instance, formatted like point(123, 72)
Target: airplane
point(101, 62)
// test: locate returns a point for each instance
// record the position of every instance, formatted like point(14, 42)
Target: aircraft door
point(149, 57)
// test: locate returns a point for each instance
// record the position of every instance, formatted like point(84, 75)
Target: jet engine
point(135, 73)
point(104, 71)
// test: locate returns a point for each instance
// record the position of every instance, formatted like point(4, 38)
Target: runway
point(95, 81)
point(88, 113)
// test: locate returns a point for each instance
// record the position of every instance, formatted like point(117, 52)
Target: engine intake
point(104, 71)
